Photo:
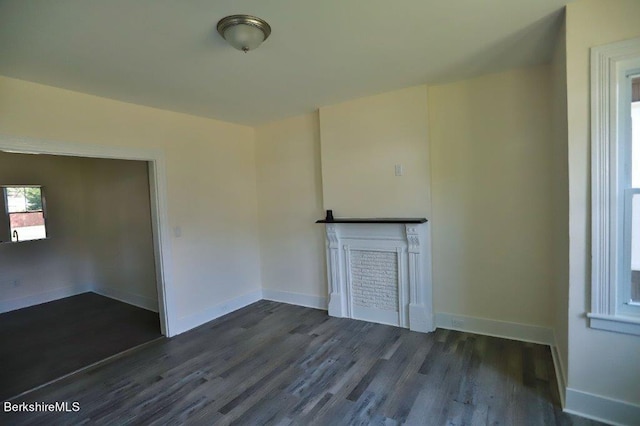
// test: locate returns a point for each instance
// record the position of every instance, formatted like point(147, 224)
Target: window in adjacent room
point(615, 186)
point(25, 213)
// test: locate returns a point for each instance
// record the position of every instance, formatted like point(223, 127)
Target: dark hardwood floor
point(47, 341)
point(272, 363)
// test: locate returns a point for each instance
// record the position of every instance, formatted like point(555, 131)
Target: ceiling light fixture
point(244, 32)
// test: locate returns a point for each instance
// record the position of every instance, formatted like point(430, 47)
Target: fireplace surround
point(379, 270)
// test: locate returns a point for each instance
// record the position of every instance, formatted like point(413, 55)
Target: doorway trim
point(158, 197)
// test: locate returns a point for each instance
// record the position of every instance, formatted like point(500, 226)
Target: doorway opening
point(104, 234)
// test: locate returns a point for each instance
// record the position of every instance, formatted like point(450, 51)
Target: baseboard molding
point(488, 327)
point(194, 320)
point(561, 377)
point(601, 408)
point(127, 297)
point(44, 297)
point(295, 298)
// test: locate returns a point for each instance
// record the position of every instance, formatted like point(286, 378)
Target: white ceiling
point(167, 53)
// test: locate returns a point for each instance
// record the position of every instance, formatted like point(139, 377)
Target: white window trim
point(4, 205)
point(608, 64)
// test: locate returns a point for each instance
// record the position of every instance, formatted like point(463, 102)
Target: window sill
point(24, 241)
point(619, 324)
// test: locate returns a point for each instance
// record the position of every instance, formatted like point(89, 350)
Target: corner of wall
point(127, 297)
point(600, 408)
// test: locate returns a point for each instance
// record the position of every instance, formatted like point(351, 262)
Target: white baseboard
point(295, 298)
point(488, 327)
point(194, 320)
point(600, 408)
point(127, 297)
point(591, 406)
point(44, 297)
point(561, 376)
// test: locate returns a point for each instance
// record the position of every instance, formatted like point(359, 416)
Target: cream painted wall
point(289, 202)
point(491, 169)
point(361, 142)
point(99, 228)
point(117, 218)
point(600, 362)
point(560, 198)
point(491, 182)
point(62, 259)
point(211, 177)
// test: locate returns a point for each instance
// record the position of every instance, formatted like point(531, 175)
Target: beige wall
point(211, 178)
point(491, 169)
point(99, 229)
point(600, 362)
point(361, 142)
point(560, 198)
point(290, 201)
point(34, 271)
point(117, 221)
point(346, 154)
point(491, 182)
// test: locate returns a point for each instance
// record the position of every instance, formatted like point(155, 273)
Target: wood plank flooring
point(278, 364)
point(47, 341)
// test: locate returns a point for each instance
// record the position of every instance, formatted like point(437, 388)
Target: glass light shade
point(244, 32)
point(244, 37)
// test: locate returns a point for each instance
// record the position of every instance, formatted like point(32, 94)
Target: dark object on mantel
point(329, 215)
point(374, 220)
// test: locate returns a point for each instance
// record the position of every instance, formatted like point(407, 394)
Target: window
point(25, 213)
point(615, 198)
point(631, 298)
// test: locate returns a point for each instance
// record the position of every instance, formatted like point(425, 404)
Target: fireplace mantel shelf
point(374, 220)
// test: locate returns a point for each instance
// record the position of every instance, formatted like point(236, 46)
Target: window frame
point(7, 213)
point(611, 66)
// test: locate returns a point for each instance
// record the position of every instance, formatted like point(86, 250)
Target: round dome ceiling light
point(244, 32)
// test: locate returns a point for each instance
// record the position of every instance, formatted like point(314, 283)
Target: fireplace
point(379, 270)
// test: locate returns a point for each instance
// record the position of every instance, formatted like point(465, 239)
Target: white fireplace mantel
point(380, 271)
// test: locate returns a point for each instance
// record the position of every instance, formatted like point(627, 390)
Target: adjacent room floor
point(43, 342)
point(272, 363)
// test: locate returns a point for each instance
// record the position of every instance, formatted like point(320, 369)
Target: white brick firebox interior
point(381, 272)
